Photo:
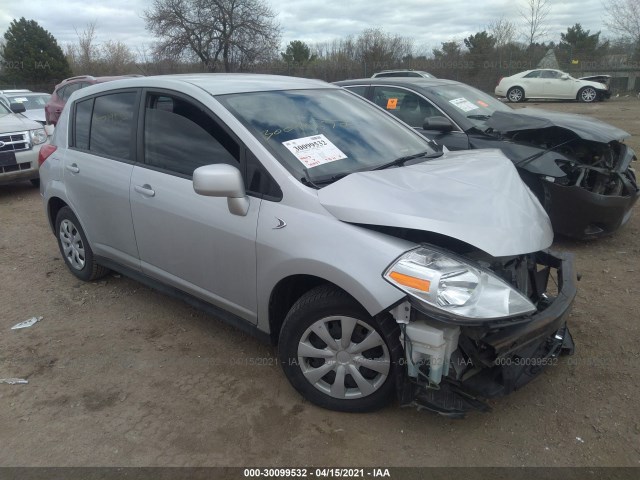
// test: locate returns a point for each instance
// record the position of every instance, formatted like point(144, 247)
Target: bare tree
point(89, 57)
point(502, 30)
point(87, 50)
point(376, 47)
point(116, 58)
point(230, 32)
point(535, 13)
point(623, 17)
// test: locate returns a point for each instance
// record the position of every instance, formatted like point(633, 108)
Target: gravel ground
point(122, 375)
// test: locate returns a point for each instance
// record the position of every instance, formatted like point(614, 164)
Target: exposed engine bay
point(452, 367)
point(578, 167)
point(598, 167)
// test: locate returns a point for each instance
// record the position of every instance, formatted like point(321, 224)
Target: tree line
point(243, 36)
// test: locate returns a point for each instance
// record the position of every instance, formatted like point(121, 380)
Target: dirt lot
point(122, 375)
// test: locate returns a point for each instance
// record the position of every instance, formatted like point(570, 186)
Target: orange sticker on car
point(482, 104)
point(392, 103)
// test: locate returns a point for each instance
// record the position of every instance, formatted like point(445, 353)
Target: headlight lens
point(38, 136)
point(455, 287)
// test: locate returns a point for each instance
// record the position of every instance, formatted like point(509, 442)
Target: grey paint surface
point(585, 127)
point(473, 196)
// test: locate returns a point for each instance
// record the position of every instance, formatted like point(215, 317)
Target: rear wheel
point(587, 95)
point(515, 95)
point(74, 247)
point(336, 355)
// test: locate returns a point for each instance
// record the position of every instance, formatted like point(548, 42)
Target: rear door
point(533, 84)
point(186, 240)
point(97, 172)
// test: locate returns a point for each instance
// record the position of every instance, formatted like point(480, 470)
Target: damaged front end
point(582, 172)
point(454, 363)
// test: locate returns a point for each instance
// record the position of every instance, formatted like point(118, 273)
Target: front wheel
point(515, 95)
point(587, 95)
point(74, 247)
point(336, 355)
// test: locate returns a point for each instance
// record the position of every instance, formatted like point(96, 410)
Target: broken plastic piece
point(27, 323)
point(14, 381)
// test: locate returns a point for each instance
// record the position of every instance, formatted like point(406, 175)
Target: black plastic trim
point(207, 307)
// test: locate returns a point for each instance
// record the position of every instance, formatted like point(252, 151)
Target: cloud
point(428, 22)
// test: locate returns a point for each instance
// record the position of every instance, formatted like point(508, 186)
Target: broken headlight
point(454, 286)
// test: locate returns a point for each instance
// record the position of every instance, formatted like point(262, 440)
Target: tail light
point(499, 80)
point(45, 151)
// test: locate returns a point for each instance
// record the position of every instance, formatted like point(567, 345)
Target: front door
point(188, 240)
point(412, 108)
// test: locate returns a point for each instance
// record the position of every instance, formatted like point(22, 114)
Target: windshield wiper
point(403, 160)
point(331, 179)
point(479, 117)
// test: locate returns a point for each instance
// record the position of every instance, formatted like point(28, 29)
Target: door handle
point(145, 190)
point(73, 168)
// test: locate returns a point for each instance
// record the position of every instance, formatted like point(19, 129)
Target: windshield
point(30, 102)
point(469, 102)
point(4, 110)
point(324, 134)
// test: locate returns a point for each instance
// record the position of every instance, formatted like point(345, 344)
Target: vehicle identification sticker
point(392, 103)
point(463, 104)
point(314, 150)
point(20, 100)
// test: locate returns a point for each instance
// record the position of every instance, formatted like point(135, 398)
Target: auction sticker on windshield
point(314, 150)
point(463, 104)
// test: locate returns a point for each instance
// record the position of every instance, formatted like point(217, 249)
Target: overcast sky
point(428, 22)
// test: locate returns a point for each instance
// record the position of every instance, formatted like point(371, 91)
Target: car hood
point(587, 128)
point(475, 196)
point(36, 115)
point(12, 122)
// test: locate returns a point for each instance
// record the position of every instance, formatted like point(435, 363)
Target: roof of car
point(19, 90)
point(224, 83)
point(414, 81)
point(24, 94)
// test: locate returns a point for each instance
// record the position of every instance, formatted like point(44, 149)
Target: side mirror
point(17, 107)
point(564, 76)
point(222, 180)
point(439, 124)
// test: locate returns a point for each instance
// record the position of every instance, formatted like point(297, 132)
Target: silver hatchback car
point(302, 213)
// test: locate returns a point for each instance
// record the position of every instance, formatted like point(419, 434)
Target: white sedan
point(552, 84)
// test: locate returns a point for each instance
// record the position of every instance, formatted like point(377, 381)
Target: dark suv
point(64, 90)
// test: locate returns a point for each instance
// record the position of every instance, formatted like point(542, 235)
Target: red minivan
point(64, 90)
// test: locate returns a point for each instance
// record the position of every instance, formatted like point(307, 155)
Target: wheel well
point(587, 86)
point(285, 294)
point(55, 204)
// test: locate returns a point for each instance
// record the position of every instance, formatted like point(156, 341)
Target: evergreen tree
point(31, 55)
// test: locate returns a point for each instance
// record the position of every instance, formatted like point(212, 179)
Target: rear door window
point(112, 125)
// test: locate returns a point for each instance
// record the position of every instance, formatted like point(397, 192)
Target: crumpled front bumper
point(496, 359)
point(578, 213)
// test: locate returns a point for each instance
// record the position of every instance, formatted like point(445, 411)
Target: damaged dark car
point(578, 167)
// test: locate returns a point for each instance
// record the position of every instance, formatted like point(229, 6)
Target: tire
point(75, 248)
point(35, 182)
point(515, 95)
point(311, 345)
point(587, 95)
